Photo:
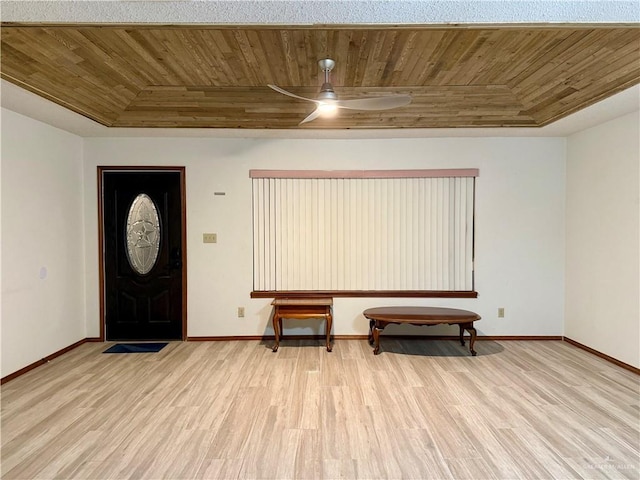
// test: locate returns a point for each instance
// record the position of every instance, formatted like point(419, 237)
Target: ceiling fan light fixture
point(328, 109)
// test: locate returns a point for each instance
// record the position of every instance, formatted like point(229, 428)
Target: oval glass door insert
point(143, 234)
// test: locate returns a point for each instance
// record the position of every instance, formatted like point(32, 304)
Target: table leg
point(329, 322)
point(461, 334)
point(469, 328)
point(371, 324)
point(277, 322)
point(377, 328)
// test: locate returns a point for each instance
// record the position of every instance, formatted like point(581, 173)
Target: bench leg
point(277, 326)
point(329, 322)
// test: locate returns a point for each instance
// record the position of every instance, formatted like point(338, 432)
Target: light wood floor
point(420, 410)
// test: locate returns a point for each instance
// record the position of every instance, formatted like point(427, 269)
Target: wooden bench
point(382, 316)
point(301, 309)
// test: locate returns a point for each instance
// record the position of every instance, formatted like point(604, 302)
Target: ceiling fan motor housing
point(327, 93)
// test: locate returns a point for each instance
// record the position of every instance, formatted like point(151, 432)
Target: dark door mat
point(135, 348)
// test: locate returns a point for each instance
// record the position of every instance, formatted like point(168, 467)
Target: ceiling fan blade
point(375, 103)
point(284, 92)
point(312, 116)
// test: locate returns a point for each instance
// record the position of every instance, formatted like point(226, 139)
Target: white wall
point(519, 224)
point(49, 219)
point(603, 242)
point(42, 241)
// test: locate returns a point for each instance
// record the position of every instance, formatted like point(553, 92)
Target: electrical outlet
point(501, 312)
point(240, 312)
point(209, 238)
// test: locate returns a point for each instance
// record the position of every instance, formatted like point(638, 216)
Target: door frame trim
point(101, 170)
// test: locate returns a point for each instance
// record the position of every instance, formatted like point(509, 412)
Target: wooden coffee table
point(382, 316)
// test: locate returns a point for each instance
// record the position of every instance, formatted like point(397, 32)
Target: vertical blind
point(363, 230)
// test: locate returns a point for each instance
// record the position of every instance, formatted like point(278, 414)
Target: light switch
point(209, 238)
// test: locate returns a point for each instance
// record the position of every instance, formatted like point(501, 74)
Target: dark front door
point(143, 255)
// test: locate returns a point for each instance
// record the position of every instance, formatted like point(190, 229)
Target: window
point(143, 234)
point(363, 233)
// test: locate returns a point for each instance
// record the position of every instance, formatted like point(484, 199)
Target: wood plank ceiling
point(216, 77)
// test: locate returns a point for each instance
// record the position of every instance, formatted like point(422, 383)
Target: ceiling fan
point(327, 103)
